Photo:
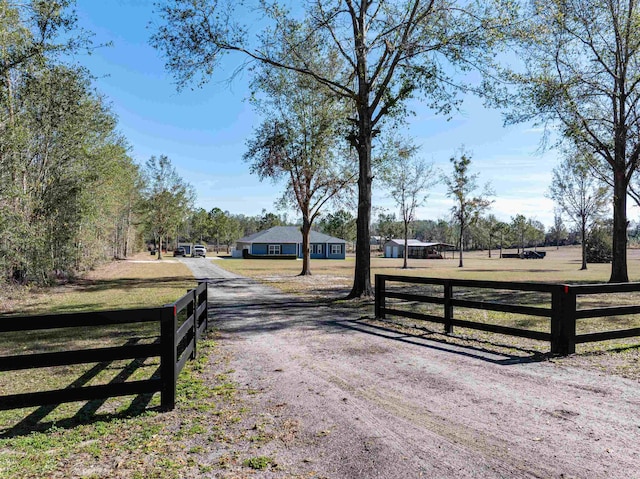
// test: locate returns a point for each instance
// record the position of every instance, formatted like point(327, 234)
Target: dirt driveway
point(343, 399)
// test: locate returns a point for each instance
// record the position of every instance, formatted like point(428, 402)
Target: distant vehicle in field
point(179, 252)
point(199, 251)
point(533, 254)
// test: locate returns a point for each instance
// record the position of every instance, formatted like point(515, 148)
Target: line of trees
point(67, 184)
point(70, 194)
point(485, 233)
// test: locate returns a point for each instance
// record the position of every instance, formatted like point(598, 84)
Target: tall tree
point(391, 51)
point(199, 225)
point(166, 199)
point(407, 179)
point(581, 72)
point(461, 185)
point(300, 142)
point(581, 197)
point(269, 220)
point(518, 229)
point(47, 117)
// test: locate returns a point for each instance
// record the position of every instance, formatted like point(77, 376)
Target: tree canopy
point(580, 73)
point(390, 51)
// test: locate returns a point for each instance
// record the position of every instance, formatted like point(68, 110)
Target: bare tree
point(580, 196)
point(407, 179)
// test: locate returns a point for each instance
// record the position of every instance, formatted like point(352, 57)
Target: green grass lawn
point(129, 434)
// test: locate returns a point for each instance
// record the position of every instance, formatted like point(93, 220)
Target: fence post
point(448, 307)
point(206, 301)
point(380, 297)
point(563, 321)
point(168, 323)
point(192, 308)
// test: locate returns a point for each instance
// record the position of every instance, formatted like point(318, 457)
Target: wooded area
point(67, 184)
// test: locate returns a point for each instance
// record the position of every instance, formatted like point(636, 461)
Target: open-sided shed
point(416, 249)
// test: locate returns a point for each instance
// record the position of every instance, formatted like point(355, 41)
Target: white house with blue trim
point(286, 241)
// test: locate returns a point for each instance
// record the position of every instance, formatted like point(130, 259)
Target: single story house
point(417, 249)
point(287, 241)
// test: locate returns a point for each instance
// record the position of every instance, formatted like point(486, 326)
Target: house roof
point(415, 242)
point(287, 234)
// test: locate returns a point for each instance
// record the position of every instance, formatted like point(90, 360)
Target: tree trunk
point(160, 248)
point(406, 245)
point(460, 265)
point(583, 234)
point(362, 275)
point(619, 272)
point(306, 254)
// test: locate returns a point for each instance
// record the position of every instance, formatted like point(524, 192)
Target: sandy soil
point(340, 398)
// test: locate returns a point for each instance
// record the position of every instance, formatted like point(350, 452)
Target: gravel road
point(349, 400)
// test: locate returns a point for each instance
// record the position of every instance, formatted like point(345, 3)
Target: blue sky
point(203, 130)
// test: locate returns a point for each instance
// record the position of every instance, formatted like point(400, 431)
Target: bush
point(599, 247)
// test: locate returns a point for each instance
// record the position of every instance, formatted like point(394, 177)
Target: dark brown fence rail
point(562, 311)
point(176, 344)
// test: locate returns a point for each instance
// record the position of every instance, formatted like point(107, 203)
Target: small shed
point(416, 249)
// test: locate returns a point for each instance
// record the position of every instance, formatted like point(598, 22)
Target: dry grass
point(135, 283)
point(122, 437)
point(331, 280)
point(335, 277)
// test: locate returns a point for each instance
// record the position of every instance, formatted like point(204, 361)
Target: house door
point(395, 252)
point(387, 253)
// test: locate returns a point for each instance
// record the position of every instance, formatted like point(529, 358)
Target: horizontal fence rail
point(175, 345)
point(562, 312)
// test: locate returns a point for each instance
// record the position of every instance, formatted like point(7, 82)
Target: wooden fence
point(176, 344)
point(563, 312)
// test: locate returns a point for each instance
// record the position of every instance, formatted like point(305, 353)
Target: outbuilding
point(416, 249)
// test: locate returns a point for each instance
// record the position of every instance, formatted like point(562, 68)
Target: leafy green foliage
point(340, 224)
point(166, 200)
point(460, 186)
point(66, 182)
point(579, 73)
point(598, 246)
point(389, 52)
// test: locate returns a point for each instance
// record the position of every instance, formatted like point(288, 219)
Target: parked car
point(199, 251)
point(533, 254)
point(179, 252)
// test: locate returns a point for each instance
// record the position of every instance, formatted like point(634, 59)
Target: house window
point(336, 249)
point(316, 249)
point(274, 249)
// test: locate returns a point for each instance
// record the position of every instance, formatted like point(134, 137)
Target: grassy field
point(129, 438)
point(121, 437)
point(562, 266)
point(332, 280)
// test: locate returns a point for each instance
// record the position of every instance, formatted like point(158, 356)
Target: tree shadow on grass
point(127, 283)
point(88, 413)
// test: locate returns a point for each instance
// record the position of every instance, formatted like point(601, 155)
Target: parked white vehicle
point(199, 250)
